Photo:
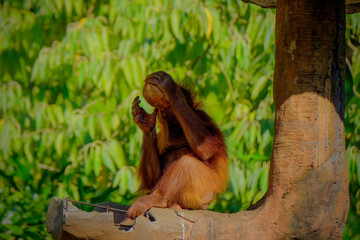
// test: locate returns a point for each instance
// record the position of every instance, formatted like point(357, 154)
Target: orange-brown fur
point(185, 164)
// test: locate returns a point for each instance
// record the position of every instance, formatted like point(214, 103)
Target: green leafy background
point(70, 69)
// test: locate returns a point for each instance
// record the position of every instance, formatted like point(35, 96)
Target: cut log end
point(55, 218)
point(65, 221)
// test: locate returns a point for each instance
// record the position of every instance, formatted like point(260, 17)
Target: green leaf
point(264, 180)
point(16, 230)
point(105, 127)
point(90, 161)
point(58, 5)
point(269, 34)
point(68, 8)
point(5, 236)
point(79, 7)
point(105, 39)
point(123, 181)
point(74, 192)
point(138, 75)
point(92, 126)
point(24, 169)
point(59, 143)
point(97, 162)
point(107, 160)
point(234, 181)
point(27, 151)
point(39, 119)
point(116, 179)
point(127, 71)
point(255, 179)
point(51, 115)
point(107, 77)
point(73, 154)
point(242, 183)
point(259, 85)
point(252, 135)
point(132, 184)
point(115, 121)
point(357, 157)
point(81, 77)
point(214, 108)
point(34, 232)
point(175, 25)
point(259, 157)
point(117, 153)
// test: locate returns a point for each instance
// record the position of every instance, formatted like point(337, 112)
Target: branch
point(352, 6)
point(262, 3)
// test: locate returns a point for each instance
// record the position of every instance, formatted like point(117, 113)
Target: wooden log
point(66, 222)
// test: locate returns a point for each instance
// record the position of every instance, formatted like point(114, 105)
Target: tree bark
point(308, 186)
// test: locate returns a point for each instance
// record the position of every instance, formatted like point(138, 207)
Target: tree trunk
point(308, 186)
point(309, 174)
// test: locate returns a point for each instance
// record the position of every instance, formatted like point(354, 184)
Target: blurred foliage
point(70, 69)
point(352, 124)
